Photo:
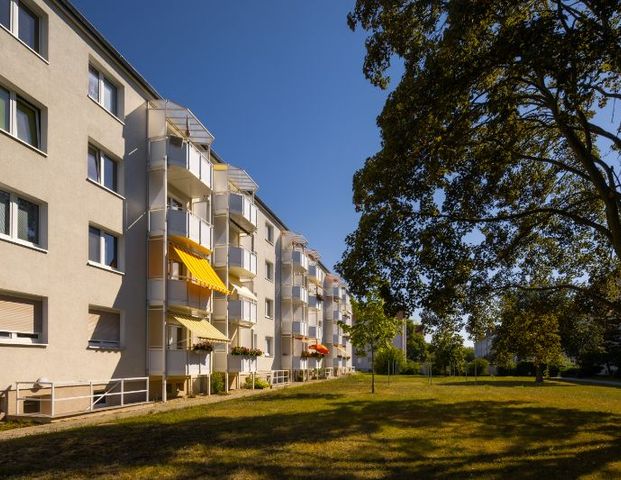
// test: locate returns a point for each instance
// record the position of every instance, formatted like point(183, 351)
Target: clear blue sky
point(280, 85)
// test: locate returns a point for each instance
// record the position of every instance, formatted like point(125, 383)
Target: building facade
point(135, 262)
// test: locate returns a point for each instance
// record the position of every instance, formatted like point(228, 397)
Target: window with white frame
point(103, 248)
point(104, 328)
point(23, 22)
point(21, 319)
point(269, 308)
point(269, 346)
point(20, 118)
point(20, 219)
point(269, 232)
point(269, 270)
point(102, 169)
point(103, 90)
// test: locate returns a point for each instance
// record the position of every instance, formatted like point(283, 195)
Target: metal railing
point(50, 393)
point(279, 377)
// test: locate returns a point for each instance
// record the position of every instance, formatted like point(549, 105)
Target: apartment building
point(134, 261)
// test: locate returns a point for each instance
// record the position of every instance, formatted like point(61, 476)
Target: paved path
point(110, 416)
point(591, 381)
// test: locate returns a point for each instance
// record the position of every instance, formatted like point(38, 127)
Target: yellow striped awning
point(201, 328)
point(201, 269)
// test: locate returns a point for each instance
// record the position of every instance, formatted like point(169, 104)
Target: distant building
point(483, 347)
point(363, 362)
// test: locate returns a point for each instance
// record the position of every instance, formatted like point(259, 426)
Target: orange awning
point(318, 347)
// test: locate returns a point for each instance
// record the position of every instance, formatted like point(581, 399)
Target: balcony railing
point(179, 362)
point(183, 156)
point(238, 363)
point(180, 292)
point(240, 208)
point(312, 332)
point(243, 311)
point(336, 316)
point(315, 274)
point(181, 223)
point(241, 261)
point(337, 339)
point(295, 293)
point(314, 303)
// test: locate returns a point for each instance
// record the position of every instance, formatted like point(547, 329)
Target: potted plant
point(202, 346)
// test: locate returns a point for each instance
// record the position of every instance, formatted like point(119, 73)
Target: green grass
point(502, 429)
point(10, 425)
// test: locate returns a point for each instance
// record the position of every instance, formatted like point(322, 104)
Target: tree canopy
point(499, 160)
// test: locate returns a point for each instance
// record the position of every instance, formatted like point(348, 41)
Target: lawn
point(502, 428)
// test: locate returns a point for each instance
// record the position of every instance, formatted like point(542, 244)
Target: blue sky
point(280, 85)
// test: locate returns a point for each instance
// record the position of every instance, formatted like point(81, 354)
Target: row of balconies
point(189, 362)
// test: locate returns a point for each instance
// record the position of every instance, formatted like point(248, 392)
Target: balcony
point(241, 262)
point(189, 169)
point(243, 312)
point(297, 294)
point(183, 224)
point(336, 316)
point(315, 274)
point(240, 208)
point(179, 362)
point(298, 363)
point(296, 327)
point(238, 363)
point(337, 339)
point(314, 303)
point(312, 332)
point(181, 293)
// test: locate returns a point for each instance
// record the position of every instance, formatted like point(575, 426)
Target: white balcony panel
point(181, 223)
point(180, 293)
point(179, 362)
point(295, 292)
point(238, 363)
point(315, 274)
point(243, 311)
point(312, 332)
point(336, 316)
point(242, 262)
point(299, 328)
point(243, 210)
point(298, 363)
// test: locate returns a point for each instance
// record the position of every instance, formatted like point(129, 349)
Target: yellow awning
point(201, 270)
point(341, 352)
point(201, 328)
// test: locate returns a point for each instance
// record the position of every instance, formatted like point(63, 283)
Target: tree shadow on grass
point(337, 439)
point(503, 383)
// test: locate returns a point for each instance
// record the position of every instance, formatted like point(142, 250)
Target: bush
point(389, 359)
point(217, 382)
point(482, 367)
point(259, 383)
point(410, 368)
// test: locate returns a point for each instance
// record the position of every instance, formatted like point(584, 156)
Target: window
point(103, 90)
point(104, 329)
point(20, 219)
point(103, 248)
point(269, 308)
point(26, 124)
point(269, 232)
point(269, 345)
point(26, 25)
point(102, 169)
point(269, 271)
point(21, 319)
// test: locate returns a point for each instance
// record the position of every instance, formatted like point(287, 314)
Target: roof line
point(107, 46)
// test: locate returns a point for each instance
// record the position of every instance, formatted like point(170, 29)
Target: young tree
point(417, 348)
point(447, 347)
point(372, 329)
point(499, 158)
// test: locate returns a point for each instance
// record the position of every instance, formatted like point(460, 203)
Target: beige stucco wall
point(61, 275)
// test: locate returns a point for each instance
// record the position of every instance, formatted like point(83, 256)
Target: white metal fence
point(52, 399)
point(279, 377)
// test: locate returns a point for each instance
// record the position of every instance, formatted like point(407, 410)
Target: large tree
point(499, 158)
point(529, 329)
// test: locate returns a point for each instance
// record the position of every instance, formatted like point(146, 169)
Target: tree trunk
point(372, 370)
point(538, 374)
